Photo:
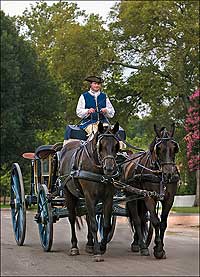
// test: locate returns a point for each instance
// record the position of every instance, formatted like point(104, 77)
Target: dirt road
point(181, 245)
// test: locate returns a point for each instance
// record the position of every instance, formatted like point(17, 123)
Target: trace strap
point(89, 176)
point(131, 189)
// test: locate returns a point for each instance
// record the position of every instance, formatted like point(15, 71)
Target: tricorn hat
point(94, 79)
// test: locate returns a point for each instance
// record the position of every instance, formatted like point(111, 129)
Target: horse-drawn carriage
point(64, 179)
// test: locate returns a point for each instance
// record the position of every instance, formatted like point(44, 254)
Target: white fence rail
point(184, 201)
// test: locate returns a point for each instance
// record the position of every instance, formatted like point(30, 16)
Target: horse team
point(96, 158)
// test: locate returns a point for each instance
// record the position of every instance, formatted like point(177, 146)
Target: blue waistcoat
point(90, 103)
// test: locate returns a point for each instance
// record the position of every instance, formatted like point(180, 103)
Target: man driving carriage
point(93, 107)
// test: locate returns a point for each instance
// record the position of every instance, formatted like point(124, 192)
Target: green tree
point(72, 49)
point(159, 40)
point(30, 99)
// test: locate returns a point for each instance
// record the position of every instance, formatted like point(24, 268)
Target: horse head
point(107, 146)
point(163, 149)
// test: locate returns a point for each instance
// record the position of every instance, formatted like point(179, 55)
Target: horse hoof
point(135, 248)
point(74, 252)
point(144, 252)
point(103, 249)
point(160, 254)
point(89, 249)
point(98, 258)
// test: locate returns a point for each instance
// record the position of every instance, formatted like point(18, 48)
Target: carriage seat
point(43, 151)
point(75, 132)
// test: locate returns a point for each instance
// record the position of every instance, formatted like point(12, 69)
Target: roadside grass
point(2, 206)
point(186, 209)
point(7, 206)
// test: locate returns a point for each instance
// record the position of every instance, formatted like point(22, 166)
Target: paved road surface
point(181, 245)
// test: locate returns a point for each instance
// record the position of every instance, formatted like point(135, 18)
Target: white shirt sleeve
point(110, 110)
point(80, 109)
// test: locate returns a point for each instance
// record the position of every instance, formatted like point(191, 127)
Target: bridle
point(97, 148)
point(158, 142)
point(100, 137)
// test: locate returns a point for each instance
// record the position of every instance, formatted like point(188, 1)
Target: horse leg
point(90, 203)
point(71, 203)
point(90, 243)
point(159, 252)
point(135, 245)
point(138, 237)
point(107, 212)
point(166, 207)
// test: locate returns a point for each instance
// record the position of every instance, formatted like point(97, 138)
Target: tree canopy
point(159, 40)
point(73, 50)
point(29, 96)
point(147, 54)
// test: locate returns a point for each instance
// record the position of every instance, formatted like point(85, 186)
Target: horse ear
point(172, 130)
point(156, 130)
point(115, 128)
point(100, 127)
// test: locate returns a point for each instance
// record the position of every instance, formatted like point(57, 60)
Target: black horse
point(85, 166)
point(155, 171)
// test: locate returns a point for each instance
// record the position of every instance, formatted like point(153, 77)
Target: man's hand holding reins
point(91, 110)
point(104, 110)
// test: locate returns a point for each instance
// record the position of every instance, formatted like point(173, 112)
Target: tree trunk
point(197, 200)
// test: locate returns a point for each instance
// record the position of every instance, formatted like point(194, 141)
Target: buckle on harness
point(103, 179)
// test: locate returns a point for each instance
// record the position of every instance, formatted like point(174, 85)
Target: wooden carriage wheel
point(99, 218)
point(45, 219)
point(148, 230)
point(17, 204)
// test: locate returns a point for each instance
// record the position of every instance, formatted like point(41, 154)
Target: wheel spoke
point(17, 233)
point(21, 219)
point(16, 212)
point(18, 229)
point(44, 234)
point(16, 222)
point(45, 224)
point(16, 188)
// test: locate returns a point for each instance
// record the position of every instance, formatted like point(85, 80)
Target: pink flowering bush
point(193, 134)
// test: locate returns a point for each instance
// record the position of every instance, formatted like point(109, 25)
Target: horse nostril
point(167, 176)
point(108, 170)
